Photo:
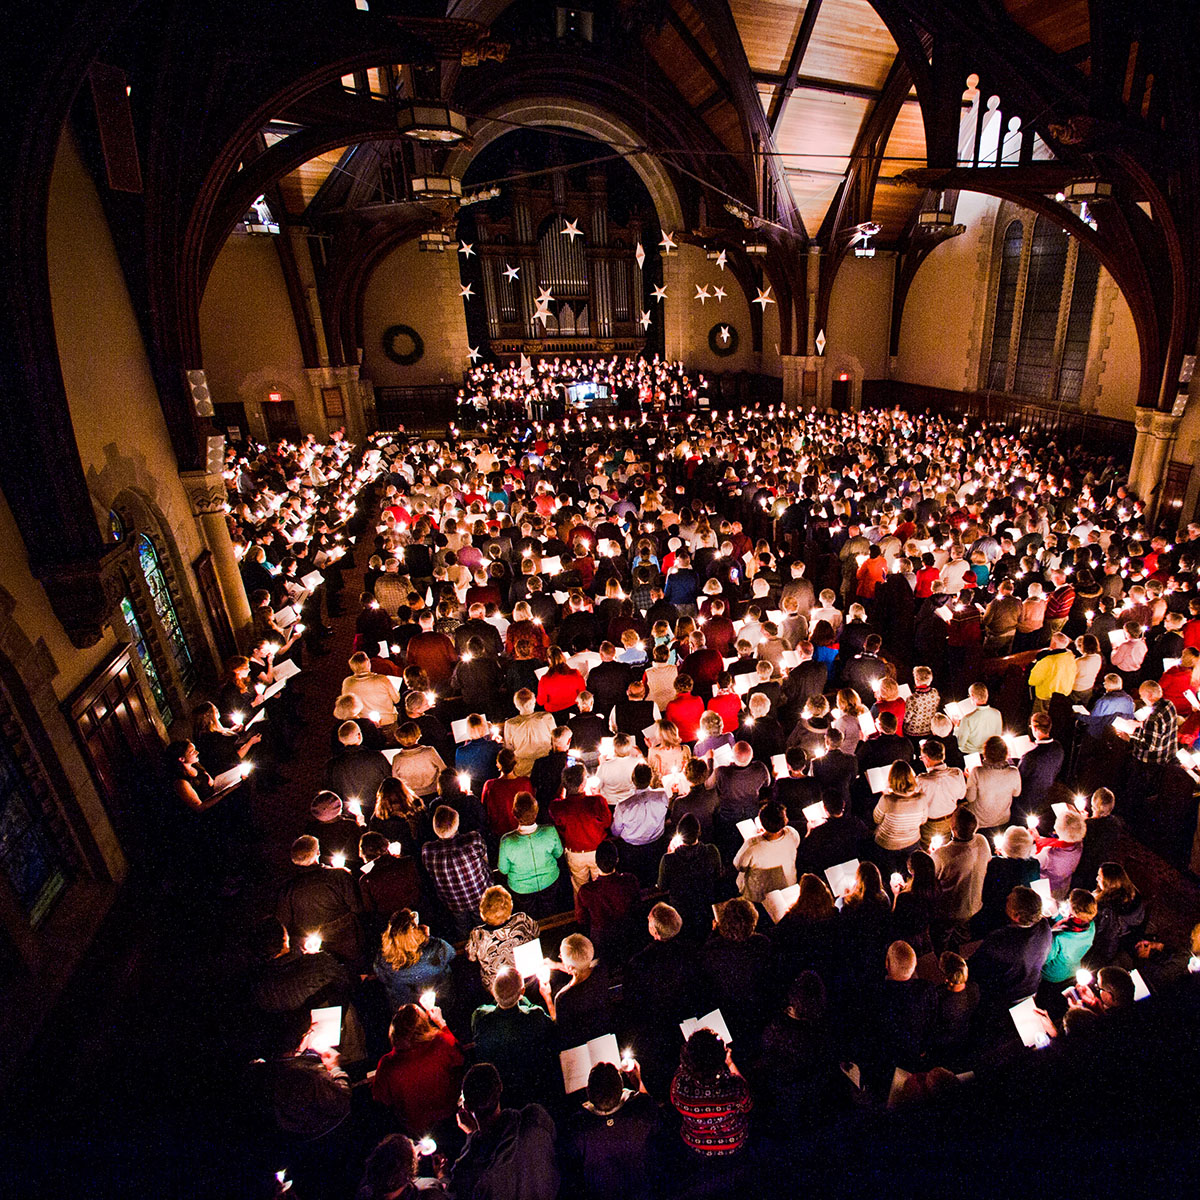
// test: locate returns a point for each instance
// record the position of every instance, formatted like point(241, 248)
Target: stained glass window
point(30, 854)
point(142, 649)
point(164, 608)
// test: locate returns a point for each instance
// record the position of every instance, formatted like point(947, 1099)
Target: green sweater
point(530, 860)
point(1066, 953)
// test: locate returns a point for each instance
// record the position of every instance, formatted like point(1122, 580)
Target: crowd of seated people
point(673, 798)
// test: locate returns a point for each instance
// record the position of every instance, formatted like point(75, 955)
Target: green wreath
point(719, 348)
point(397, 333)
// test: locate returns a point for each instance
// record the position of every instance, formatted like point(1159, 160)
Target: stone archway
point(549, 110)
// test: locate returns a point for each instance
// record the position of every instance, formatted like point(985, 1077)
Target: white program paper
point(577, 1063)
point(713, 1021)
point(1029, 1024)
point(528, 958)
point(778, 902)
point(326, 1032)
point(842, 877)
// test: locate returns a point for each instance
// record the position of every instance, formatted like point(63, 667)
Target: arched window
point(35, 859)
point(1006, 303)
point(1042, 320)
point(164, 608)
point(151, 613)
point(1046, 269)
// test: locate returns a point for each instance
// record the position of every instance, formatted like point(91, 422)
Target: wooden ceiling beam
point(795, 60)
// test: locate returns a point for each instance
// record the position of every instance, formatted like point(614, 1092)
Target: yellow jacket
point(1052, 674)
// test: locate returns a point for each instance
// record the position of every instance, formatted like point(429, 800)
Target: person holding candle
point(1120, 916)
point(419, 1079)
point(409, 961)
point(1072, 939)
point(318, 898)
point(901, 811)
point(517, 1037)
point(355, 770)
point(1059, 855)
point(377, 692)
point(993, 786)
point(457, 864)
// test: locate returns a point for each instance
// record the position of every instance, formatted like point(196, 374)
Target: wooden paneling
point(298, 188)
point(1059, 24)
point(893, 208)
point(118, 738)
point(906, 146)
point(768, 29)
point(819, 130)
point(850, 43)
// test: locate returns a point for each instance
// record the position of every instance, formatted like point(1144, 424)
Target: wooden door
point(119, 740)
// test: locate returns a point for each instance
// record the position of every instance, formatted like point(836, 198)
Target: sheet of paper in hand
point(842, 877)
point(877, 777)
point(1030, 1026)
point(577, 1063)
point(713, 1021)
point(528, 958)
point(326, 1032)
point(778, 902)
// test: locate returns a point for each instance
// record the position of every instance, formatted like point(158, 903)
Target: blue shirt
point(404, 985)
point(478, 758)
point(1109, 706)
point(641, 819)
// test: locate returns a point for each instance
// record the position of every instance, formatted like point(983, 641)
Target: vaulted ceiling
point(792, 82)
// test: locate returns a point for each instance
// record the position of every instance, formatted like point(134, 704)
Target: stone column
point(207, 497)
point(1156, 432)
point(1141, 422)
point(794, 366)
point(353, 420)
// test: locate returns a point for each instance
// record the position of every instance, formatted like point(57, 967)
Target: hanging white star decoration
point(571, 230)
point(543, 297)
point(511, 273)
point(466, 291)
point(722, 260)
point(645, 320)
point(473, 354)
point(640, 256)
point(667, 243)
point(724, 335)
point(702, 294)
point(718, 294)
point(465, 249)
point(764, 297)
point(542, 313)
point(660, 293)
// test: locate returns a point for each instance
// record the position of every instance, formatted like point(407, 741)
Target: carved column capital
point(206, 492)
point(1142, 419)
point(85, 594)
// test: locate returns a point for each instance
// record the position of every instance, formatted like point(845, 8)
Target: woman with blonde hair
point(492, 944)
point(899, 815)
point(668, 755)
point(409, 961)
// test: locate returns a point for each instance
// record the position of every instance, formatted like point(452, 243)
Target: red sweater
point(685, 711)
point(729, 708)
point(582, 821)
point(497, 798)
point(421, 1085)
point(558, 689)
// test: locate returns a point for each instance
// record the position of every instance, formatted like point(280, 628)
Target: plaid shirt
point(459, 869)
point(1156, 741)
